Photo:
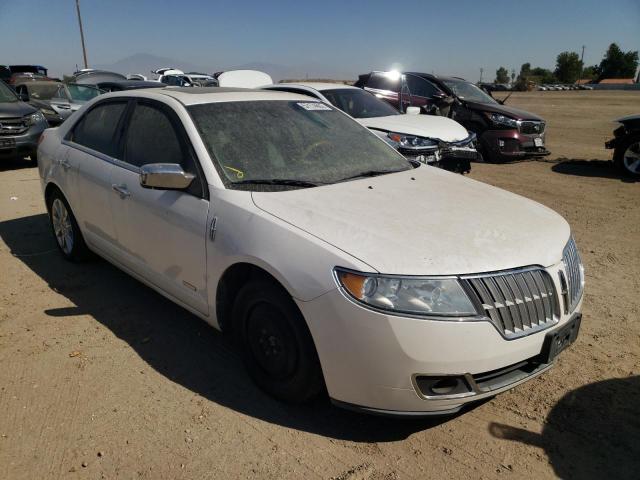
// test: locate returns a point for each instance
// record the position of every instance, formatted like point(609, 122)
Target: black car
point(503, 132)
point(119, 85)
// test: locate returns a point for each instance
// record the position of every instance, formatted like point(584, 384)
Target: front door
point(162, 233)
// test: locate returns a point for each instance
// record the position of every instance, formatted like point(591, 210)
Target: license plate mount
point(558, 341)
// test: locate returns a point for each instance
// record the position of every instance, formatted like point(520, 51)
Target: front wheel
point(277, 347)
point(627, 155)
point(65, 228)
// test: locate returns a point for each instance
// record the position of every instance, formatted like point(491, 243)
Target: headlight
point(410, 295)
point(503, 121)
point(410, 141)
point(34, 118)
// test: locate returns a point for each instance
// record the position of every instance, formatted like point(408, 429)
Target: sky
point(331, 39)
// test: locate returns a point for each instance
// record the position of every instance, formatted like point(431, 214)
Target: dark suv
point(503, 132)
point(20, 126)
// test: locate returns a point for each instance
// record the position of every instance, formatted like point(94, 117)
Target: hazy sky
point(335, 38)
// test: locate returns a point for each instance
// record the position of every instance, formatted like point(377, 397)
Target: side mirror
point(413, 111)
point(165, 176)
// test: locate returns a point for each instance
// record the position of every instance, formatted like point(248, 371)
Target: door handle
point(121, 190)
point(64, 163)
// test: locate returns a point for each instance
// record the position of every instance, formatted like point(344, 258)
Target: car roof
point(320, 86)
point(39, 82)
point(201, 95)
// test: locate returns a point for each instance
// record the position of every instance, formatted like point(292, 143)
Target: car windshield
point(82, 93)
point(358, 103)
point(42, 91)
point(289, 142)
point(468, 91)
point(6, 94)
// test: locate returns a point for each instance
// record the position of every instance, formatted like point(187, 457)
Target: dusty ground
point(100, 377)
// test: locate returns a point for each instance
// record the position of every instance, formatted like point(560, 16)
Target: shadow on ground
point(12, 163)
point(179, 345)
point(591, 433)
point(590, 168)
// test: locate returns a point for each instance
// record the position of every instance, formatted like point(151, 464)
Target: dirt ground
point(100, 377)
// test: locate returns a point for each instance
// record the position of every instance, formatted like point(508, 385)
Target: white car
point(283, 220)
point(430, 139)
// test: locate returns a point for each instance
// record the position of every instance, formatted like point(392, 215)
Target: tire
point(627, 155)
point(277, 348)
point(65, 228)
point(34, 158)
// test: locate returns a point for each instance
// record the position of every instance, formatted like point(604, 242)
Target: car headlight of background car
point(502, 120)
point(425, 296)
point(411, 141)
point(48, 111)
point(34, 118)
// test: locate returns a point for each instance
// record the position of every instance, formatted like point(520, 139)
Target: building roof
point(583, 81)
point(618, 81)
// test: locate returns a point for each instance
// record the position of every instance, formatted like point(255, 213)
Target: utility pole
point(84, 50)
point(582, 62)
point(481, 71)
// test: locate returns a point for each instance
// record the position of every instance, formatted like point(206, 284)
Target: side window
point(383, 82)
point(97, 129)
point(152, 138)
point(421, 87)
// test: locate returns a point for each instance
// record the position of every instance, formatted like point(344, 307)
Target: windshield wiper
point(278, 181)
point(369, 173)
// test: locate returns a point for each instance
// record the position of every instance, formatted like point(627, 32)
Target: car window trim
point(181, 133)
point(118, 132)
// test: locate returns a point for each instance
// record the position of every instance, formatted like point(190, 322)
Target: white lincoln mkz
point(338, 263)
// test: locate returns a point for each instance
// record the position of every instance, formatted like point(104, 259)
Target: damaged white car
point(281, 219)
point(431, 139)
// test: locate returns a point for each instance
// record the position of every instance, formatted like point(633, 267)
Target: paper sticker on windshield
point(314, 106)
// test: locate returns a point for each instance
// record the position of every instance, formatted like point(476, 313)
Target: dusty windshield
point(468, 91)
point(82, 93)
point(6, 95)
point(43, 91)
point(358, 103)
point(273, 145)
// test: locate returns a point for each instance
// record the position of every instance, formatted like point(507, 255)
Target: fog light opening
point(443, 386)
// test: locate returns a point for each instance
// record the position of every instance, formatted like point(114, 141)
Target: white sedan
point(431, 139)
point(338, 264)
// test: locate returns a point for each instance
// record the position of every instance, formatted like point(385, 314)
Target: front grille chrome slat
point(13, 126)
point(574, 273)
point(518, 302)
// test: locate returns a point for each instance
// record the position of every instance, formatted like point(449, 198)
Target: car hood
point(424, 222)
point(429, 126)
point(15, 109)
point(504, 110)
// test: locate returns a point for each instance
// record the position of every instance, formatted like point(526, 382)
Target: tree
point(618, 64)
point(544, 75)
point(513, 75)
point(568, 67)
point(502, 75)
point(525, 70)
point(592, 72)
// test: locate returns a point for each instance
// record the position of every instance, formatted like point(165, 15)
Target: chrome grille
point(531, 127)
point(574, 273)
point(12, 126)
point(518, 302)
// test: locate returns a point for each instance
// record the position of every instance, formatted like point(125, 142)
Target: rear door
point(161, 233)
point(87, 156)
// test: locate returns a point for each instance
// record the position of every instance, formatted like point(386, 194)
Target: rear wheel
point(627, 155)
point(65, 228)
point(278, 350)
point(34, 158)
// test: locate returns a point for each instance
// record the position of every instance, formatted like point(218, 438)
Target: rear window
point(382, 81)
point(97, 129)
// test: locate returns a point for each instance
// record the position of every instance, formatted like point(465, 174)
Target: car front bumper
point(371, 360)
point(511, 144)
point(23, 144)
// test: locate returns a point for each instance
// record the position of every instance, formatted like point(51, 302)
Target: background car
point(120, 85)
point(39, 95)
point(435, 140)
point(503, 132)
point(626, 145)
point(69, 97)
point(20, 126)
